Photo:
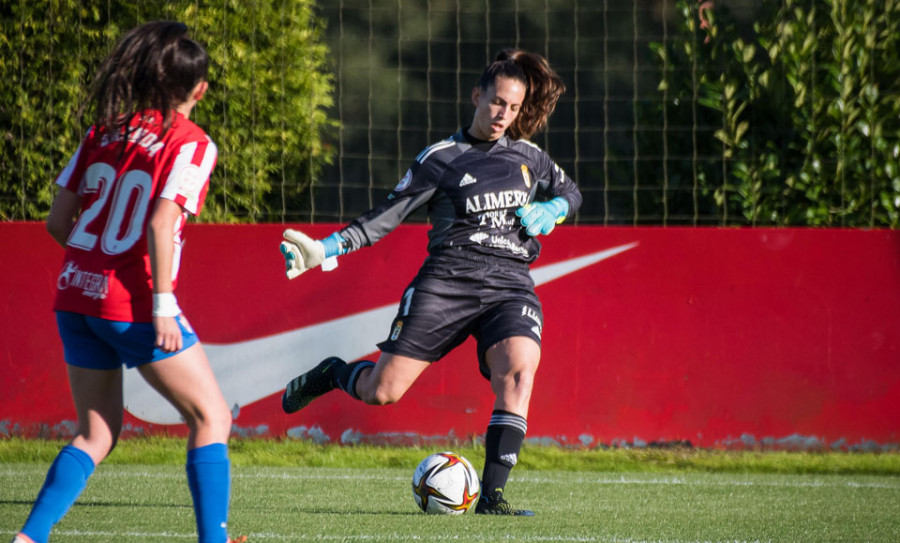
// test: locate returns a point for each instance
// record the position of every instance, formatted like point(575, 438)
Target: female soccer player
point(123, 201)
point(490, 192)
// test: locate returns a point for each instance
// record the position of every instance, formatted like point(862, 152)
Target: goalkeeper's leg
point(305, 388)
point(382, 383)
point(375, 384)
point(513, 363)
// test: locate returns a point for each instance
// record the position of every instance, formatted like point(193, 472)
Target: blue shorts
point(100, 344)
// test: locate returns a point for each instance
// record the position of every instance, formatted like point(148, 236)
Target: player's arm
point(62, 215)
point(67, 203)
point(302, 253)
point(414, 190)
point(161, 248)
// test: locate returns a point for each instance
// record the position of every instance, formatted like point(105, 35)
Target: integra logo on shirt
point(93, 285)
point(496, 200)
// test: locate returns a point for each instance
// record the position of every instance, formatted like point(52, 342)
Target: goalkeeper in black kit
point(490, 192)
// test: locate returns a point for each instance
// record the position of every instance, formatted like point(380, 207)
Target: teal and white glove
point(302, 253)
point(542, 217)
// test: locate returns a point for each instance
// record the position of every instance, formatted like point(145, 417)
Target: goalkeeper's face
point(496, 107)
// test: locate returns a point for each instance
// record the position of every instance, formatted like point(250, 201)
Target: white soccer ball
point(445, 484)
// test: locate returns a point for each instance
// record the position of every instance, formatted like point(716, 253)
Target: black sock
point(346, 376)
point(502, 443)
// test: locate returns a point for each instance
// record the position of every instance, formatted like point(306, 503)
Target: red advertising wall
point(718, 337)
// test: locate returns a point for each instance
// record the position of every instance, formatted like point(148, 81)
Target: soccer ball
point(445, 484)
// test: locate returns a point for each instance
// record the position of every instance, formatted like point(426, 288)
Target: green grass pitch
point(336, 494)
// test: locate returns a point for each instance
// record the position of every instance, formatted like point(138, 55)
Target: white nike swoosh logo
point(248, 371)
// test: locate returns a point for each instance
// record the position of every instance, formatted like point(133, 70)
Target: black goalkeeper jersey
point(472, 193)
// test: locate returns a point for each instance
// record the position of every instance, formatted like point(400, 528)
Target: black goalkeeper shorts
point(461, 294)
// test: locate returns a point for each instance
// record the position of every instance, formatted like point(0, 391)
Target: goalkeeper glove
point(542, 217)
point(302, 253)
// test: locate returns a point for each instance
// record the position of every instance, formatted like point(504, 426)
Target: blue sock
point(65, 480)
point(209, 478)
point(346, 376)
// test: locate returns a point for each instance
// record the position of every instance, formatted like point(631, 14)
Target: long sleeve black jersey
point(472, 197)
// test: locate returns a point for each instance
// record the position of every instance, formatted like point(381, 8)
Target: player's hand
point(542, 217)
point(301, 253)
point(168, 334)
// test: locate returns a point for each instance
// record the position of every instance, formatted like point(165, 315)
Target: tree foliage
point(270, 87)
point(783, 113)
point(806, 109)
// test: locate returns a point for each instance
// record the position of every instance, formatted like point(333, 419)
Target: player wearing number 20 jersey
point(106, 273)
point(121, 207)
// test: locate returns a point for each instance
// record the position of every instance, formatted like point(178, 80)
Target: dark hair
point(543, 87)
point(154, 66)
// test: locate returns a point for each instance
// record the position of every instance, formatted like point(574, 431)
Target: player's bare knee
point(222, 420)
point(525, 381)
point(216, 419)
point(97, 444)
point(381, 395)
point(515, 380)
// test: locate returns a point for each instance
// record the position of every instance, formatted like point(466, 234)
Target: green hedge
point(786, 116)
point(266, 109)
point(804, 98)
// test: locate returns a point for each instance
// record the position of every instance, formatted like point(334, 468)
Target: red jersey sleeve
point(187, 181)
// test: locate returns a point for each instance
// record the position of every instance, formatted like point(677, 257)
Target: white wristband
point(329, 263)
point(165, 305)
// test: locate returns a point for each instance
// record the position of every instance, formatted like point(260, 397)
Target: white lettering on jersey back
point(143, 137)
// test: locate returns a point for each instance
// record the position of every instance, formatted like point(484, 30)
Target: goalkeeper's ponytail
point(543, 88)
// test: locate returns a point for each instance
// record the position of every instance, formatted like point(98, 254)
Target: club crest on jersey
point(407, 178)
point(526, 176)
point(395, 333)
